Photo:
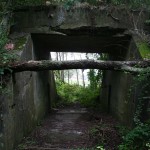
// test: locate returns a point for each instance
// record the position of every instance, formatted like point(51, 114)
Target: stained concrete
point(36, 20)
point(80, 40)
point(28, 100)
point(115, 96)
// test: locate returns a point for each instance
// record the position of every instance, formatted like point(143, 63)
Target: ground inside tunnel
point(73, 127)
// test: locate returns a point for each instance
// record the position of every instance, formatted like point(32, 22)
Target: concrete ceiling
point(87, 41)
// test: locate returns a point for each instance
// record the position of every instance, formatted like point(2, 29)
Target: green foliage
point(95, 134)
point(138, 138)
point(89, 97)
point(147, 22)
point(123, 130)
point(144, 50)
point(139, 80)
point(19, 44)
point(94, 77)
point(6, 56)
point(76, 93)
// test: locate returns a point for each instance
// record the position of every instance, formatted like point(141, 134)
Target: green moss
point(19, 44)
point(144, 50)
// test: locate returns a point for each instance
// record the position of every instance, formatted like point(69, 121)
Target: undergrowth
point(69, 93)
point(7, 56)
point(138, 138)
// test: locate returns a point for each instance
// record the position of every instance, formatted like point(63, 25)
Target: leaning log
point(128, 66)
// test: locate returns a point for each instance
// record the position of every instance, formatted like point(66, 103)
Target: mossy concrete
point(41, 19)
point(27, 100)
point(47, 20)
point(117, 97)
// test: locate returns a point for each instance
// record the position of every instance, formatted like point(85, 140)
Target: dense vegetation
point(7, 54)
point(78, 90)
point(77, 94)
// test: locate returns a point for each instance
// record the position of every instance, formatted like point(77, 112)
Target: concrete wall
point(115, 94)
point(35, 19)
point(27, 101)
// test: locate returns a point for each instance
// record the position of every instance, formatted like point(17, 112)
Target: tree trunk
point(62, 71)
point(76, 72)
point(77, 77)
point(82, 71)
point(83, 81)
point(58, 74)
point(68, 75)
point(128, 66)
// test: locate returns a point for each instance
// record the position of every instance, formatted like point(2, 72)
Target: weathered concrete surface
point(116, 87)
point(27, 101)
point(105, 29)
point(39, 19)
point(80, 40)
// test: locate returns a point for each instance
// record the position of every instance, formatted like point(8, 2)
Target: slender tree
point(77, 74)
point(82, 71)
point(68, 73)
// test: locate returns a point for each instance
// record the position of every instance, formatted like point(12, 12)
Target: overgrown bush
point(76, 93)
point(6, 54)
point(137, 139)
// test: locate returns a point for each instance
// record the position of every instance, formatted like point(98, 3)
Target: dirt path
point(65, 129)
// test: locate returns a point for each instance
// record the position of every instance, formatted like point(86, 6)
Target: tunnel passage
point(114, 42)
point(34, 91)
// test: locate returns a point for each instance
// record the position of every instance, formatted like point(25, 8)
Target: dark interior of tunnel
point(98, 40)
point(114, 42)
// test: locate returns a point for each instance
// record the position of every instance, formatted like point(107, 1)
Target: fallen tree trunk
point(128, 66)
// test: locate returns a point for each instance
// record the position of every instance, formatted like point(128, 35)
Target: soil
point(71, 128)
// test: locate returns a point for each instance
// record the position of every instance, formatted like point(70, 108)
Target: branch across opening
point(128, 66)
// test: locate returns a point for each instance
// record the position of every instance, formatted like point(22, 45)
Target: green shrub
point(76, 93)
point(137, 139)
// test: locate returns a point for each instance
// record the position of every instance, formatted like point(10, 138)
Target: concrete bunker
point(112, 41)
point(83, 29)
point(33, 92)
